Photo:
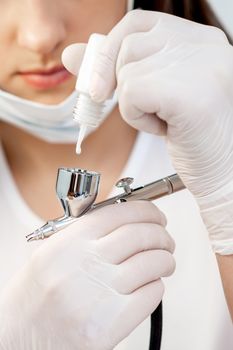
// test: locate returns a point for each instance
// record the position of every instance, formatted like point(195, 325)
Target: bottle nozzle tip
point(78, 148)
point(82, 133)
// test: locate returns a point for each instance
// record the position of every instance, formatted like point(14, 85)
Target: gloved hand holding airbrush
point(90, 286)
point(174, 78)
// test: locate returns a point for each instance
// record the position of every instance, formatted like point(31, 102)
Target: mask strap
point(130, 5)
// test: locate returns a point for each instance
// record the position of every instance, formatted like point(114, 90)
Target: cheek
point(6, 62)
point(8, 30)
point(95, 17)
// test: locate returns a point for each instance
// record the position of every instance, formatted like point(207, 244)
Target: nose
point(41, 28)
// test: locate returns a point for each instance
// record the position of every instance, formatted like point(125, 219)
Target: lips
point(46, 79)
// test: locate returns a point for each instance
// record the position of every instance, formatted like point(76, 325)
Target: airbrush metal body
point(77, 190)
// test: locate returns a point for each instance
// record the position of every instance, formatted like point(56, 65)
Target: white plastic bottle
point(87, 112)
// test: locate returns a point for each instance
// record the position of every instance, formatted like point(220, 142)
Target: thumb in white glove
point(90, 285)
point(174, 77)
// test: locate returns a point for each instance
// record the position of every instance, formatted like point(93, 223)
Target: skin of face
point(33, 34)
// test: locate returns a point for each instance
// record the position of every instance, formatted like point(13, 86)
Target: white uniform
point(195, 312)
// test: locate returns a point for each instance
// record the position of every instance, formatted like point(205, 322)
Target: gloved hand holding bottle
point(90, 286)
point(174, 78)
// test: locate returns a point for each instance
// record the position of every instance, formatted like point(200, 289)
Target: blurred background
point(224, 9)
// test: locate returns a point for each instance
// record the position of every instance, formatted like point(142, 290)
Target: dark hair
point(195, 10)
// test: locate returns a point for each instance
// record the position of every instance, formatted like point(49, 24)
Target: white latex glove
point(175, 77)
point(90, 285)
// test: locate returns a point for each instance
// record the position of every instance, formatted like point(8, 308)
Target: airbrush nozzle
point(34, 236)
point(44, 232)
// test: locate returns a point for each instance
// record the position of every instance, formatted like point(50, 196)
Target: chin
point(51, 98)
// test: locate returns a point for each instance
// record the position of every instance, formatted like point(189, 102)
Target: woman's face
point(33, 34)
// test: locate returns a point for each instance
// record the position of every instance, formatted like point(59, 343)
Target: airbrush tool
point(77, 190)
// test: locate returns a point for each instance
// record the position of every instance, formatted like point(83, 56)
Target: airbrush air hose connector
point(87, 113)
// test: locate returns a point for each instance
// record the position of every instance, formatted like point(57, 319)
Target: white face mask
point(51, 123)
